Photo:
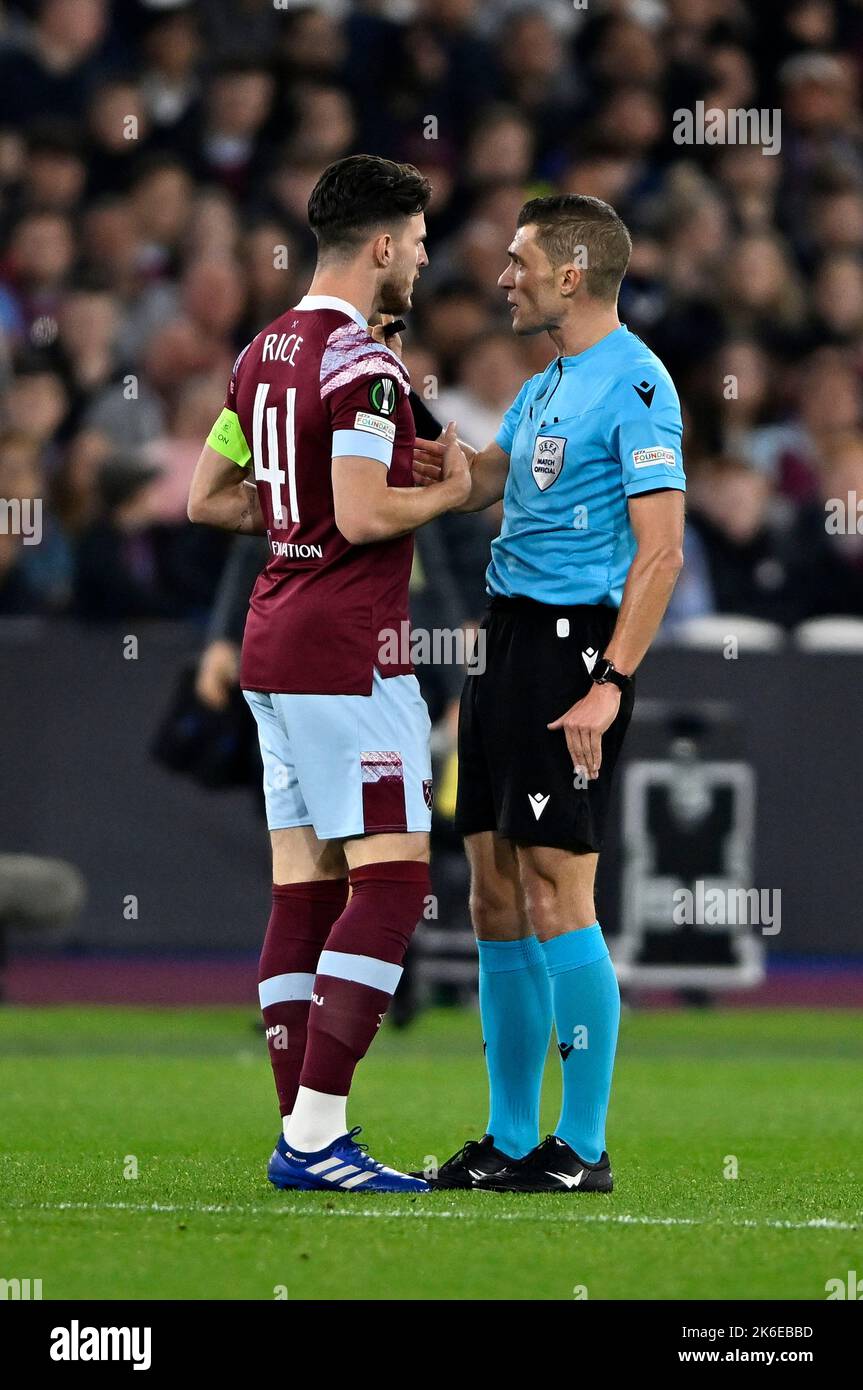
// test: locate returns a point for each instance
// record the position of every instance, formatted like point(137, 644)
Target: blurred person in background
point(35, 560)
point(500, 148)
point(160, 201)
point(228, 146)
point(828, 537)
point(47, 67)
point(746, 546)
point(53, 170)
point(763, 294)
point(39, 259)
point(116, 562)
point(87, 321)
point(837, 303)
point(171, 85)
point(272, 269)
point(489, 372)
point(452, 319)
point(118, 131)
point(539, 79)
point(324, 124)
point(824, 400)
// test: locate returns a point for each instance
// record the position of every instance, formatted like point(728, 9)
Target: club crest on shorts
point(547, 460)
point(428, 792)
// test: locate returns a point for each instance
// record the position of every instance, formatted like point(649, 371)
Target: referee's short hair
point(577, 227)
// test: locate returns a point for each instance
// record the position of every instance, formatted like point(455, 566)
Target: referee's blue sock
point(586, 1002)
point(515, 1005)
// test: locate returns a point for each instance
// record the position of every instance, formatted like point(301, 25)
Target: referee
point(588, 463)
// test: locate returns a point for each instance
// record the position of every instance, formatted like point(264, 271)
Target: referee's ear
point(571, 280)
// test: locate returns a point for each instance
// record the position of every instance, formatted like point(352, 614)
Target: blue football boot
point(343, 1166)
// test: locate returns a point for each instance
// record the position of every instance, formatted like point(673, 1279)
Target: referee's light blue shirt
point(582, 437)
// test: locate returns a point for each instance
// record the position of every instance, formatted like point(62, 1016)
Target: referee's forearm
point(649, 586)
point(487, 482)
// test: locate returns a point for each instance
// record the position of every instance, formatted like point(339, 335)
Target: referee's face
point(535, 302)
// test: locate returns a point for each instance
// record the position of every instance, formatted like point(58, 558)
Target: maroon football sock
point(359, 969)
point(300, 922)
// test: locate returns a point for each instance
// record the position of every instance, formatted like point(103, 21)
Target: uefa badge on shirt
point(547, 460)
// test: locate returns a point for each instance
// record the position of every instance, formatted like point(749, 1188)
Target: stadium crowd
point(156, 157)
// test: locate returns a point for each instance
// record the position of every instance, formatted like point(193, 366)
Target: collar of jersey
point(610, 339)
point(330, 301)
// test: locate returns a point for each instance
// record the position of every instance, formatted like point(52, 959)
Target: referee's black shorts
point(515, 776)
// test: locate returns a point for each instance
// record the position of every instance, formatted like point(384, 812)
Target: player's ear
point(382, 249)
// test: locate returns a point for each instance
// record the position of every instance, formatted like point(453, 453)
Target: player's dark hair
point(358, 194)
point(577, 227)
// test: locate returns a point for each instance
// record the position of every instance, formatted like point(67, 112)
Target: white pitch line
point(818, 1223)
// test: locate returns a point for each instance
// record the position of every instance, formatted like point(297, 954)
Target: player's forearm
point(232, 506)
point(399, 511)
point(649, 586)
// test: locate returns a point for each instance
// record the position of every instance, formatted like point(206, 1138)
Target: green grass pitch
point(185, 1099)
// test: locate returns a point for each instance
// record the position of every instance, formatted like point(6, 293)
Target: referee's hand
point(428, 460)
point(584, 726)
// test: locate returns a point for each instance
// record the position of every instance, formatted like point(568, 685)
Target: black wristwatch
point(606, 673)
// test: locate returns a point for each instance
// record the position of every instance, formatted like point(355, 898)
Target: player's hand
point(218, 673)
point(428, 460)
point(376, 325)
point(584, 726)
point(455, 469)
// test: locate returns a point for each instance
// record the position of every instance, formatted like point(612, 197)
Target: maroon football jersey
point(312, 385)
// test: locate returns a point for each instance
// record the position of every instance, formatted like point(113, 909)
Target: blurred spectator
point(116, 566)
point(54, 171)
point(745, 550)
point(490, 373)
point(826, 400)
point(36, 401)
point(170, 85)
point(237, 105)
point(47, 67)
point(118, 128)
point(40, 256)
point(829, 538)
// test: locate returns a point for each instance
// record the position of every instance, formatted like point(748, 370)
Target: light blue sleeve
point(509, 423)
point(647, 435)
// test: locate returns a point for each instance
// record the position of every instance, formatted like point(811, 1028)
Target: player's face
point(530, 282)
point(395, 291)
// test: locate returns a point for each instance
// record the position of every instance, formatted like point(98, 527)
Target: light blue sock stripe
point(574, 949)
point(496, 956)
point(360, 970)
point(284, 989)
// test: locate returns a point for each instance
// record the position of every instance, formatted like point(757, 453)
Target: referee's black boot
point(475, 1162)
point(553, 1167)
